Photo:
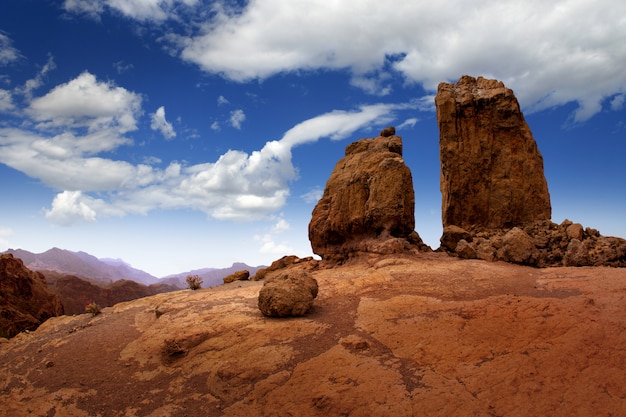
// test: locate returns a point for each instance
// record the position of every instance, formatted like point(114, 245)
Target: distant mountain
point(210, 276)
point(83, 265)
point(75, 293)
point(106, 270)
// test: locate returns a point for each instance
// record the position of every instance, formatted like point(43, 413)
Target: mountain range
point(107, 271)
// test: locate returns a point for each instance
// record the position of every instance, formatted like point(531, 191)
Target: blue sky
point(181, 134)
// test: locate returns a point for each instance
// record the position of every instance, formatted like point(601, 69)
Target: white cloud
point(237, 117)
point(35, 83)
point(161, 124)
point(221, 100)
point(91, 8)
point(270, 247)
point(339, 124)
point(281, 226)
point(121, 67)
point(408, 123)
point(6, 101)
point(80, 120)
point(85, 102)
point(215, 126)
point(618, 102)
point(313, 195)
point(144, 10)
point(68, 207)
point(530, 45)
point(8, 53)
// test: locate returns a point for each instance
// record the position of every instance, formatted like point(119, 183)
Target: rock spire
point(491, 170)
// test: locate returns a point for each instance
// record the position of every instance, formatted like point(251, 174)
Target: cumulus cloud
point(530, 45)
point(86, 102)
point(221, 100)
point(68, 208)
point(75, 123)
point(237, 117)
point(161, 124)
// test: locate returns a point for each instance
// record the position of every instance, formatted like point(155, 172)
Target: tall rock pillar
point(491, 170)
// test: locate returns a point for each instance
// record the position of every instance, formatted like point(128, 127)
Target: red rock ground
point(425, 335)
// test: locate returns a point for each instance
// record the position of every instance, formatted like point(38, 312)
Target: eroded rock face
point(25, 301)
point(289, 294)
point(368, 203)
point(491, 170)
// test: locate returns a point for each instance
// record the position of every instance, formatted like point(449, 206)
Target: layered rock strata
point(368, 203)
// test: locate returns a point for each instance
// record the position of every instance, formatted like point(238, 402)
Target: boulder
point(368, 199)
point(242, 275)
point(452, 235)
point(491, 170)
point(288, 294)
point(518, 247)
point(465, 250)
point(25, 301)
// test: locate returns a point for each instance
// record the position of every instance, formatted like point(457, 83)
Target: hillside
point(83, 265)
point(395, 335)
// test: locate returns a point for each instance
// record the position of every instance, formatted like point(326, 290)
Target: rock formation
point(496, 204)
point(242, 275)
point(288, 294)
point(368, 202)
point(491, 170)
point(25, 301)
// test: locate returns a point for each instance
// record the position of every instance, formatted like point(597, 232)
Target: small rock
point(388, 131)
point(289, 294)
point(575, 231)
point(465, 250)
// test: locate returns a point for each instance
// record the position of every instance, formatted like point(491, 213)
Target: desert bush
point(194, 282)
point(92, 308)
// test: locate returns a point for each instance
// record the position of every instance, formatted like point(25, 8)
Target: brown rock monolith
point(368, 204)
point(491, 169)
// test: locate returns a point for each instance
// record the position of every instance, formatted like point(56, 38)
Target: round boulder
point(289, 294)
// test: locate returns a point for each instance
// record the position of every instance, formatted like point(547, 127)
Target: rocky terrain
point(389, 335)
point(381, 325)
